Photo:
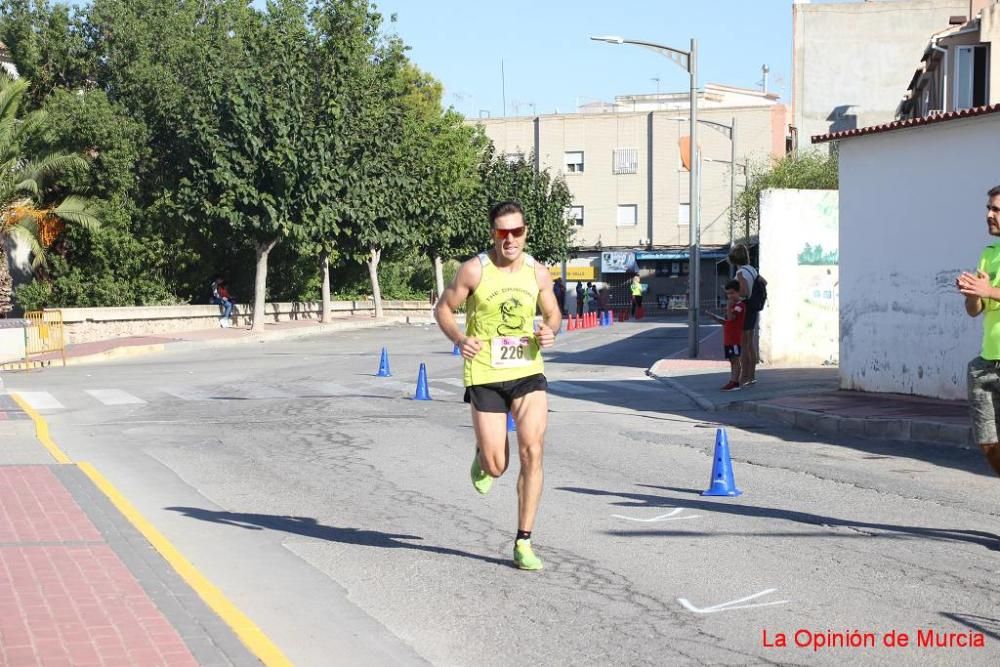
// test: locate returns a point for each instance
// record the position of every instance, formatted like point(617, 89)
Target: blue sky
point(549, 60)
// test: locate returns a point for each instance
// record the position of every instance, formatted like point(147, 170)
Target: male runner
point(503, 363)
point(982, 296)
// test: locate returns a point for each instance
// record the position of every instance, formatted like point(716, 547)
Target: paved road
point(337, 513)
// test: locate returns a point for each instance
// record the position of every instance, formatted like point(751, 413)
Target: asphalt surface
point(337, 512)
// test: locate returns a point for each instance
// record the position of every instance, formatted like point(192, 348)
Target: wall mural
point(818, 281)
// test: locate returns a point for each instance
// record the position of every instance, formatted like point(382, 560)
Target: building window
point(575, 213)
point(625, 161)
point(628, 215)
point(684, 214)
point(971, 77)
point(574, 162)
point(513, 158)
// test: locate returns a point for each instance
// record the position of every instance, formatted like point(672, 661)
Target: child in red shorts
point(732, 332)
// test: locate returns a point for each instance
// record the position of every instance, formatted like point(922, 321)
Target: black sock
point(523, 535)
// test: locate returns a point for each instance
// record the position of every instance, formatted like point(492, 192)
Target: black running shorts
point(497, 396)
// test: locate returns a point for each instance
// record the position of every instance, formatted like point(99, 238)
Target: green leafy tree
point(34, 209)
point(443, 155)
point(372, 206)
point(796, 171)
point(544, 199)
point(343, 50)
point(49, 44)
point(114, 265)
point(167, 63)
point(253, 172)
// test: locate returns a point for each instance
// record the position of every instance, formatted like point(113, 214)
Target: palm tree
point(27, 213)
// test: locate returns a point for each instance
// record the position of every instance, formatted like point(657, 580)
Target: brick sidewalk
point(80, 586)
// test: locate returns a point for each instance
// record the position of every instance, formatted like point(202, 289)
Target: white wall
point(799, 325)
point(912, 216)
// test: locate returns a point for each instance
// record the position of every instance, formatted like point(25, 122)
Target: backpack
point(758, 294)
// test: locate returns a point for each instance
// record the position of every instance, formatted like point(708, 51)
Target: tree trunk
point(327, 313)
point(6, 283)
point(373, 275)
point(260, 285)
point(439, 275)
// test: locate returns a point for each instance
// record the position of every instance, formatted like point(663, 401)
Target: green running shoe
point(480, 480)
point(524, 557)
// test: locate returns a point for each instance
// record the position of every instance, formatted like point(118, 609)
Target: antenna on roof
point(764, 69)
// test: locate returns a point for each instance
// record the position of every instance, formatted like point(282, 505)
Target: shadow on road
point(309, 527)
point(988, 626)
point(982, 538)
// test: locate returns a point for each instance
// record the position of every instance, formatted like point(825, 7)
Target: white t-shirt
point(749, 275)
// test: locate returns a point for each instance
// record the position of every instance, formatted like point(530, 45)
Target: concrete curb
point(905, 430)
point(699, 399)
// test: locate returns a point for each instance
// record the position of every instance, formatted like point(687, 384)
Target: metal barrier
point(44, 335)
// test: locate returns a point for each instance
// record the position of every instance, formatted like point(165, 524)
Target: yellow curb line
point(252, 636)
point(41, 430)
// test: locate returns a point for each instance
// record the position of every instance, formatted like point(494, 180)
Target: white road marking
point(733, 604)
point(40, 400)
point(457, 382)
point(669, 516)
point(115, 397)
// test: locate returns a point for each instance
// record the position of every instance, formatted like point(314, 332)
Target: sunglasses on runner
point(516, 232)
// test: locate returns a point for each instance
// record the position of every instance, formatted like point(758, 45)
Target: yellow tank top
point(500, 312)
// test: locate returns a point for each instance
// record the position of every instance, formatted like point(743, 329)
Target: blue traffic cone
point(456, 351)
point(511, 426)
point(383, 365)
point(723, 483)
point(422, 393)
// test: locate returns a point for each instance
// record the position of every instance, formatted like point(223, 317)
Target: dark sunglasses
point(516, 232)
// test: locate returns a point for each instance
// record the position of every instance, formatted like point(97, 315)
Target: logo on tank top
point(511, 322)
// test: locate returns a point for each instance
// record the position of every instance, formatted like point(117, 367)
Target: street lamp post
point(730, 132)
point(688, 60)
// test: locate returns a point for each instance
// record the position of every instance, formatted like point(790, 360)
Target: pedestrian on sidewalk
point(732, 332)
point(750, 281)
point(636, 289)
point(503, 370)
point(559, 289)
point(603, 300)
point(580, 299)
point(221, 297)
point(982, 296)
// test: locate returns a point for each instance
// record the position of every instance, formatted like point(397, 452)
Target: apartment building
point(852, 60)
point(624, 164)
point(959, 68)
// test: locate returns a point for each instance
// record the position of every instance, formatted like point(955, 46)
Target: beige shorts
point(984, 399)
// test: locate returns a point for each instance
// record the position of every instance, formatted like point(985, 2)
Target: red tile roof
point(903, 124)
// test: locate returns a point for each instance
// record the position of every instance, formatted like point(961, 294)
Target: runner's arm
point(454, 296)
point(551, 315)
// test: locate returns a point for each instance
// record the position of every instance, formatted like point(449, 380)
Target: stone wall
point(84, 325)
